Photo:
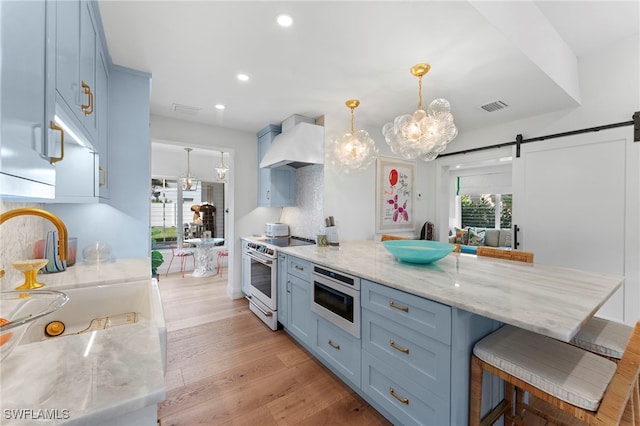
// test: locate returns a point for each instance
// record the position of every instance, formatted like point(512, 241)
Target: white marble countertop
point(83, 379)
point(548, 300)
point(87, 275)
point(92, 377)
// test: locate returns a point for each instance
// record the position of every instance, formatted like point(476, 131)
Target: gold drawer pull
point(299, 268)
point(393, 394)
point(333, 345)
point(400, 308)
point(398, 348)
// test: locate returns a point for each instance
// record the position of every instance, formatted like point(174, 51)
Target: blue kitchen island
point(418, 323)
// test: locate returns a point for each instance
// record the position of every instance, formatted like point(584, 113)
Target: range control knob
point(270, 251)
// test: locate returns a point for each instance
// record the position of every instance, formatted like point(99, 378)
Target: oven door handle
point(257, 259)
point(268, 314)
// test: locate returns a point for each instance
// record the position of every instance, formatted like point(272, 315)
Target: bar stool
point(564, 382)
point(221, 255)
point(603, 337)
point(520, 256)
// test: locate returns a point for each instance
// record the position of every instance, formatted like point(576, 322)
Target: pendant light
point(222, 169)
point(422, 134)
point(189, 182)
point(353, 151)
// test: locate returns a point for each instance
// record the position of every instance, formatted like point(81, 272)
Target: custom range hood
point(297, 146)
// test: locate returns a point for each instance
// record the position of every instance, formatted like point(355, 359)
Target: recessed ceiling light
point(220, 107)
point(285, 20)
point(243, 77)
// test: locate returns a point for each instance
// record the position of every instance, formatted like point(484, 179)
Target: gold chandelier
point(353, 151)
point(423, 134)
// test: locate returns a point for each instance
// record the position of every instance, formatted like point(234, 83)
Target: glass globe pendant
point(423, 134)
point(352, 151)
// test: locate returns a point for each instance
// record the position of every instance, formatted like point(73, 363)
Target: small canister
point(321, 240)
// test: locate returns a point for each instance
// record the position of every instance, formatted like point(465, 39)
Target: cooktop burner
point(287, 241)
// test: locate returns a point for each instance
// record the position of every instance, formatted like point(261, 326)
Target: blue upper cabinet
point(76, 40)
point(276, 187)
point(78, 98)
point(25, 168)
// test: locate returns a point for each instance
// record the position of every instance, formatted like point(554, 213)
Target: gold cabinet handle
point(393, 394)
point(54, 126)
point(299, 268)
point(398, 348)
point(333, 345)
point(103, 173)
point(400, 308)
point(87, 109)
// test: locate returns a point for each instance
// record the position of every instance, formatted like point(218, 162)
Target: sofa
point(470, 238)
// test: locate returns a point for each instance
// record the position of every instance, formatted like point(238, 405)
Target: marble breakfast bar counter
point(548, 300)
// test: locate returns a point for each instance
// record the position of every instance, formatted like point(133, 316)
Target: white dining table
point(205, 255)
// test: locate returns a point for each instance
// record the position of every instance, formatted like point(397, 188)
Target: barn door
point(575, 201)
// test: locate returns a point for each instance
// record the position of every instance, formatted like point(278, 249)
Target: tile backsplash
point(307, 218)
point(17, 238)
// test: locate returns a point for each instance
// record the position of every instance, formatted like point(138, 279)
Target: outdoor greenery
point(480, 210)
point(161, 233)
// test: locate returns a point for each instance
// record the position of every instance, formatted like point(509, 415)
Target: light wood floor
point(225, 367)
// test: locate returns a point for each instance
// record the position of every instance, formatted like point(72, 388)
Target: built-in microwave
point(336, 298)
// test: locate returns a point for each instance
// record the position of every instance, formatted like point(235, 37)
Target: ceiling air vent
point(494, 106)
point(185, 109)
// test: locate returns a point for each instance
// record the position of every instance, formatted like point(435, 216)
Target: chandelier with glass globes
point(423, 134)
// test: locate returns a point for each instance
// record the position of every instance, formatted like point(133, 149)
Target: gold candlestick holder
point(30, 270)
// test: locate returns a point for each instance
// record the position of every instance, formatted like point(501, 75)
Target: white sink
point(87, 304)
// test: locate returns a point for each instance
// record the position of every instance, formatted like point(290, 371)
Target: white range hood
point(300, 146)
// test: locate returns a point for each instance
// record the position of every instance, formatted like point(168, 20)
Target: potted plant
point(156, 260)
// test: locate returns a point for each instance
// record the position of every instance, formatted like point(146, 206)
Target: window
point(486, 210)
point(170, 206)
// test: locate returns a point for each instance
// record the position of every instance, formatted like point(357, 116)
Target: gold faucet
point(59, 224)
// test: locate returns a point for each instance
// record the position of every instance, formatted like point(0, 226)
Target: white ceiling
point(361, 49)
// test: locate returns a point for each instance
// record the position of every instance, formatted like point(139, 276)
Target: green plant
point(156, 260)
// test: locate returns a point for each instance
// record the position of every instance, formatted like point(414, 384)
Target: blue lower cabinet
point(339, 350)
point(403, 399)
point(426, 360)
point(301, 319)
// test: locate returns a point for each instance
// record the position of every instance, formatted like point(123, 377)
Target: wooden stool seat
point(564, 371)
point(603, 337)
point(559, 378)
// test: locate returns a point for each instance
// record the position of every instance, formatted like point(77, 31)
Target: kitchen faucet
point(59, 224)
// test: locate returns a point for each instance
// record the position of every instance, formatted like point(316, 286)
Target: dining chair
point(566, 384)
point(221, 255)
point(182, 254)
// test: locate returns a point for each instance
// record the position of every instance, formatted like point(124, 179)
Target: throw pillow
point(507, 240)
point(462, 236)
point(476, 238)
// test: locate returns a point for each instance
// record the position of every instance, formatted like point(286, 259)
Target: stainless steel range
point(260, 274)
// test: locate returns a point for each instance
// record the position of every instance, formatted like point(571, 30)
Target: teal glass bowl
point(418, 251)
